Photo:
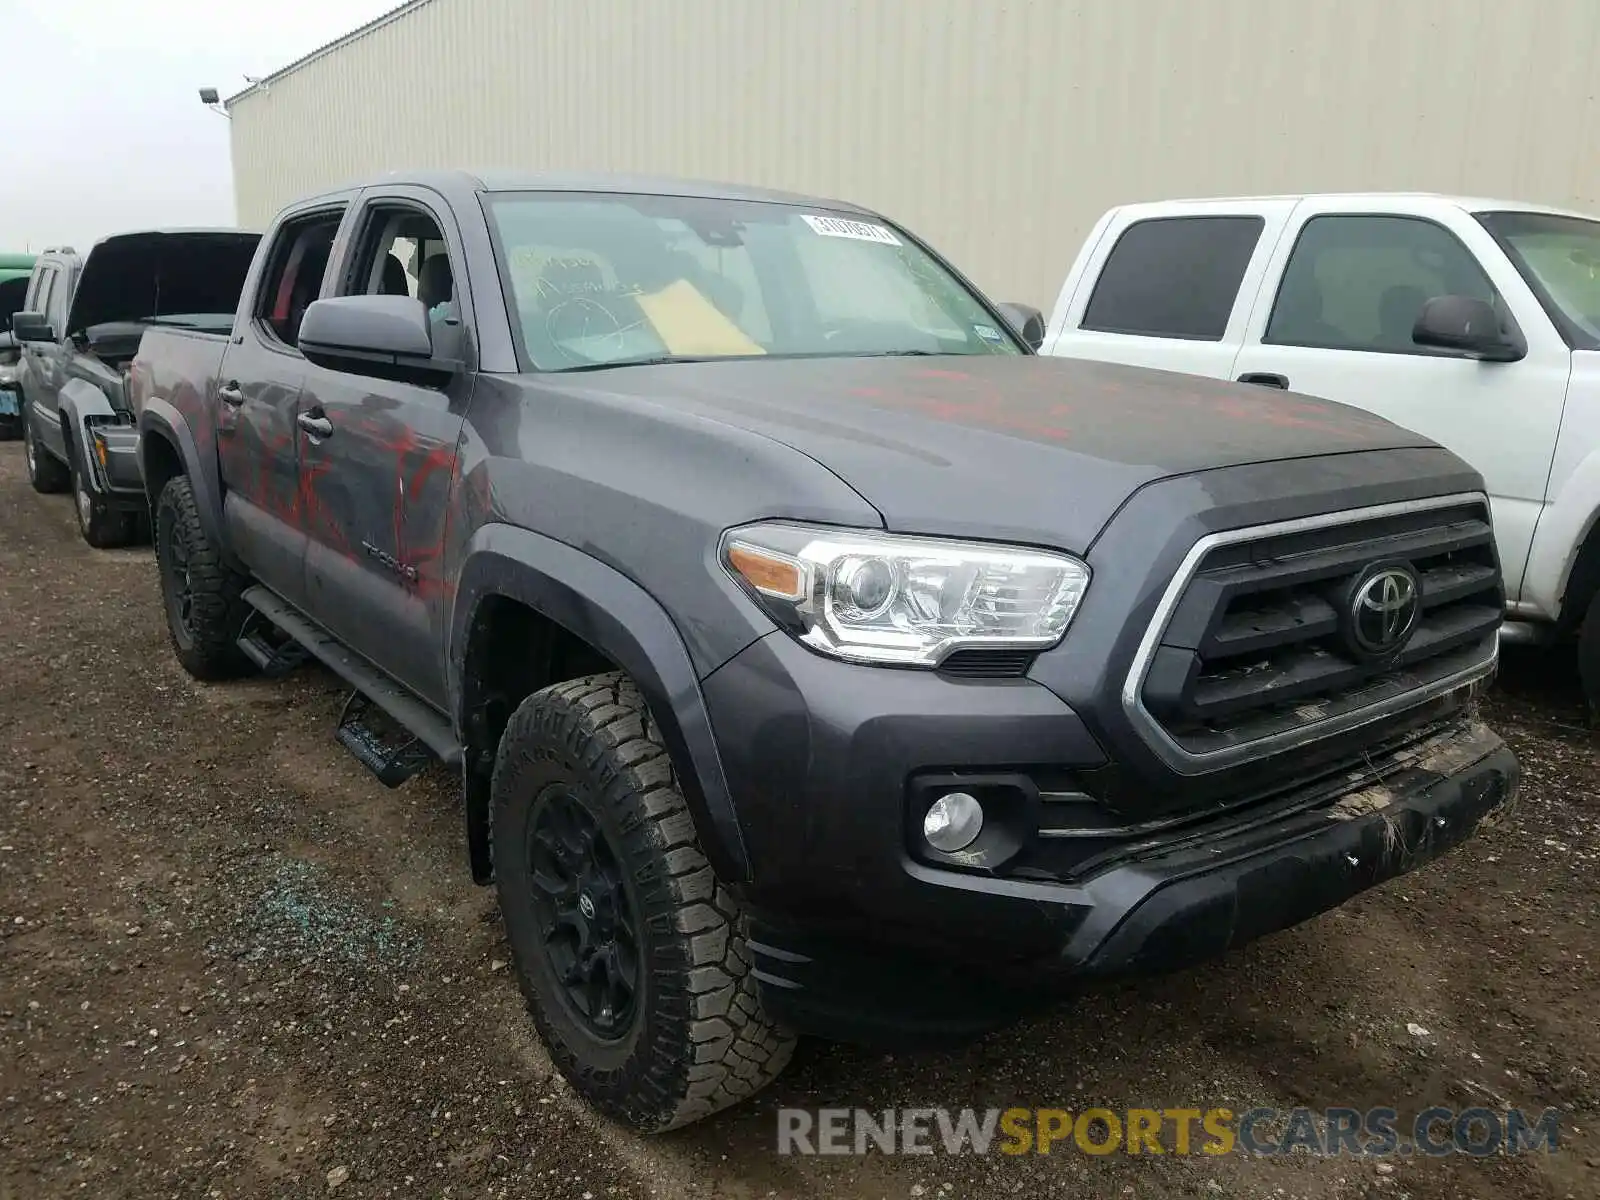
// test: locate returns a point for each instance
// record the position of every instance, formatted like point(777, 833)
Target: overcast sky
point(103, 129)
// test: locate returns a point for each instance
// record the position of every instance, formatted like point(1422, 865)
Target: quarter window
point(1359, 282)
point(1173, 277)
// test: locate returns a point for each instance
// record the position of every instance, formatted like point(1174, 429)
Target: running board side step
point(430, 732)
point(274, 653)
point(392, 759)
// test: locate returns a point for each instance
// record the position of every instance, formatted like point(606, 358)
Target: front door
point(44, 359)
point(378, 477)
point(1340, 327)
point(258, 439)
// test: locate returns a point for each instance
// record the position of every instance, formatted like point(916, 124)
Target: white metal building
point(998, 129)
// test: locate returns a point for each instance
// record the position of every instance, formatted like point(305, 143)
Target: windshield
point(602, 280)
point(1559, 257)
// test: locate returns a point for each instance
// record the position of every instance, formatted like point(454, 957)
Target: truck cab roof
point(462, 183)
point(1396, 201)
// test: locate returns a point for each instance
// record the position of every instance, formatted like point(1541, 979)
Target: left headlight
point(886, 598)
point(8, 374)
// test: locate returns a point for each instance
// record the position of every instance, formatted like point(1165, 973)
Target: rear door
point(1345, 288)
point(258, 440)
point(378, 480)
point(1168, 286)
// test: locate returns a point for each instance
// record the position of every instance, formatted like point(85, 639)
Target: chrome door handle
point(316, 426)
point(230, 395)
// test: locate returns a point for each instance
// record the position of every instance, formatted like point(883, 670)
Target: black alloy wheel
point(585, 914)
point(180, 587)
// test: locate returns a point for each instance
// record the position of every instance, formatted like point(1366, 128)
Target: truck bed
point(178, 367)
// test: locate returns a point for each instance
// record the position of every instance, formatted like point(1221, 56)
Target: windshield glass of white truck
point(1559, 256)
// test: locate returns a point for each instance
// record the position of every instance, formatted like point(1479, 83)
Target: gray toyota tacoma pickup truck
point(816, 658)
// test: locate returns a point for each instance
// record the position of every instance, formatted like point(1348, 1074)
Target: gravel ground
point(234, 965)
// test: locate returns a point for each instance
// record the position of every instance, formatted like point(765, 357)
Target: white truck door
point(1342, 293)
point(1167, 285)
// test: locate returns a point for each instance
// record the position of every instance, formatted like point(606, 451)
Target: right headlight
point(875, 597)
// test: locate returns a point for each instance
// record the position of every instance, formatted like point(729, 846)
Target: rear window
point(1173, 277)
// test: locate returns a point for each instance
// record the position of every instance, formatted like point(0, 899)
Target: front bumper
point(857, 935)
point(118, 479)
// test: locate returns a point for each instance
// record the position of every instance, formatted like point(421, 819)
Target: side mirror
point(1027, 320)
point(1469, 326)
point(377, 335)
point(31, 327)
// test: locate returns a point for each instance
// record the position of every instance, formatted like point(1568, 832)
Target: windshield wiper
point(659, 360)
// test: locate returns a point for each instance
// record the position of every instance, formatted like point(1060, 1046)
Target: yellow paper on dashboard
point(689, 324)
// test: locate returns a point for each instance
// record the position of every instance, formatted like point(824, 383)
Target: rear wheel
point(200, 592)
point(45, 472)
point(630, 952)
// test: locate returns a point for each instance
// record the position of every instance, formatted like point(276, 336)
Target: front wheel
point(200, 592)
point(630, 952)
point(101, 527)
point(1589, 658)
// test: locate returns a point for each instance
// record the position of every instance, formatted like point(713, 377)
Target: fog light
point(953, 822)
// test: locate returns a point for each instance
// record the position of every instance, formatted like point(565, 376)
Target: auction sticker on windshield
point(861, 231)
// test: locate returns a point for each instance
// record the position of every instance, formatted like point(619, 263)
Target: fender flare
point(624, 622)
point(159, 418)
point(79, 401)
point(1559, 535)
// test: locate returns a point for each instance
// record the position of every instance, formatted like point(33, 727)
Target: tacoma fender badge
point(405, 570)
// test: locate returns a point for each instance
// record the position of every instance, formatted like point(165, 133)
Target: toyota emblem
point(1383, 609)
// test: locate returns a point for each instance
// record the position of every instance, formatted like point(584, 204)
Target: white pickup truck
point(1473, 322)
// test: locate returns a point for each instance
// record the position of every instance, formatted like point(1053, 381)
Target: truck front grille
point(1272, 636)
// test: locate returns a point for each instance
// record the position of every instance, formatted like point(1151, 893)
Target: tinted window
point(1358, 282)
point(294, 273)
point(1173, 277)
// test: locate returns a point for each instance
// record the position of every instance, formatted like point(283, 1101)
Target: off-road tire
point(101, 527)
point(46, 473)
point(699, 1040)
point(207, 645)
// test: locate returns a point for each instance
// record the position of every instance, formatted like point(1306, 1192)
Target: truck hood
point(1026, 448)
point(136, 276)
